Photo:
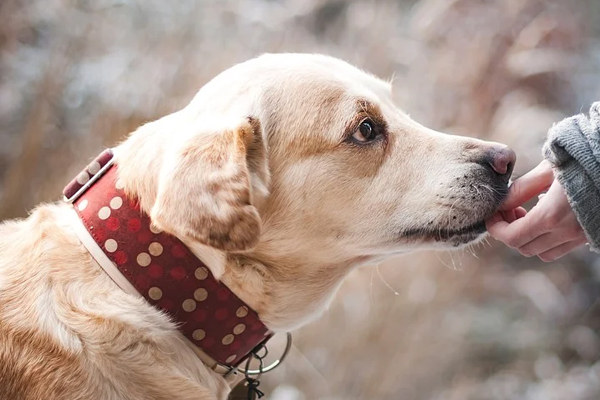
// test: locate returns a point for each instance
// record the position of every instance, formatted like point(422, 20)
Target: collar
point(218, 325)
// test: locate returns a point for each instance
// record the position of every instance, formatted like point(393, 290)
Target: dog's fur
point(262, 177)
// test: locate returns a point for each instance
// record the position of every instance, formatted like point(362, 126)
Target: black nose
point(502, 160)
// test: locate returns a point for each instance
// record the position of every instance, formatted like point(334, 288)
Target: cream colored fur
point(259, 177)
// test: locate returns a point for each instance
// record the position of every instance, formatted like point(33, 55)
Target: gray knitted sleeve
point(573, 149)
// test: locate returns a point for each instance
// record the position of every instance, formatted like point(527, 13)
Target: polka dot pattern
point(94, 167)
point(188, 305)
point(201, 273)
point(200, 294)
point(155, 249)
point(169, 276)
point(231, 359)
point(104, 213)
point(155, 293)
point(82, 205)
point(239, 329)
point(116, 203)
point(84, 176)
point(228, 339)
point(154, 229)
point(111, 245)
point(198, 334)
point(143, 259)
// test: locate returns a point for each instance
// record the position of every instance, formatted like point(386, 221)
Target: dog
point(282, 175)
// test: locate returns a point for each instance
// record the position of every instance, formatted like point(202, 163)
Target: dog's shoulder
point(25, 288)
point(68, 332)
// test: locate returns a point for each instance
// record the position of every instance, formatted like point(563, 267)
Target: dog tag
point(242, 391)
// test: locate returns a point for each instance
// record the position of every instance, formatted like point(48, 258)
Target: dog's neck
point(284, 294)
point(286, 290)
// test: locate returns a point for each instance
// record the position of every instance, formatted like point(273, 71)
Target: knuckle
point(526, 252)
point(512, 242)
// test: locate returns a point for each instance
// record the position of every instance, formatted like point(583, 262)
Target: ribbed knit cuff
point(573, 149)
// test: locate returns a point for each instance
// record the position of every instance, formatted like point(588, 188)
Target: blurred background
point(486, 324)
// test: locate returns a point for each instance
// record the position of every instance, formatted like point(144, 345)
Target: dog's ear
point(209, 185)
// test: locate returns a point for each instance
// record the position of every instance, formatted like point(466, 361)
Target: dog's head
point(304, 157)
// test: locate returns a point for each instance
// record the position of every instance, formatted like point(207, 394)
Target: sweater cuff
point(584, 202)
point(573, 149)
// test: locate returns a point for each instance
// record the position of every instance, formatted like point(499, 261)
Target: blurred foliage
point(79, 75)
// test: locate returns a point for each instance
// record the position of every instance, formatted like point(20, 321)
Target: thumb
point(529, 185)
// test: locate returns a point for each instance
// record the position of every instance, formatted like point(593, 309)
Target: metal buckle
point(94, 178)
point(273, 365)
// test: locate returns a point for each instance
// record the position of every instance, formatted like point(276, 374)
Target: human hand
point(550, 230)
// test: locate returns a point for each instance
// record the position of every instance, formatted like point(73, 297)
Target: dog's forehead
point(291, 81)
point(320, 71)
point(317, 89)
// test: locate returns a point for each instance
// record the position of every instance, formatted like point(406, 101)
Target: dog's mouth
point(457, 237)
point(462, 221)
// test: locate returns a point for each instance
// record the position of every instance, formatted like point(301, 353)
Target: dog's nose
point(502, 160)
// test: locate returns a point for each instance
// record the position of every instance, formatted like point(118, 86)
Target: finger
point(542, 244)
point(493, 220)
point(529, 185)
point(518, 233)
point(562, 250)
point(520, 212)
point(509, 216)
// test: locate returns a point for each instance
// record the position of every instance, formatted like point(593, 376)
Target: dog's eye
point(366, 132)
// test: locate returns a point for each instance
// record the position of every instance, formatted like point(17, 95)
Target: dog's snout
point(502, 160)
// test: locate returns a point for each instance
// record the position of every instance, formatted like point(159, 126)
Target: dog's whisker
point(491, 189)
point(469, 248)
point(454, 261)
point(385, 282)
point(450, 211)
point(371, 291)
point(437, 254)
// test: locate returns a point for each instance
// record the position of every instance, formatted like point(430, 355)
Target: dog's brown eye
point(365, 132)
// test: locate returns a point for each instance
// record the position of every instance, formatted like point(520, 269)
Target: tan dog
point(283, 174)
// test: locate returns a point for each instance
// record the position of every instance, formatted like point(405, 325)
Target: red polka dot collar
point(220, 327)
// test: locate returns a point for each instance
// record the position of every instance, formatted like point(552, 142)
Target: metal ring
point(275, 364)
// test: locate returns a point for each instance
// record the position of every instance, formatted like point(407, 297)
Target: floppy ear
point(207, 184)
